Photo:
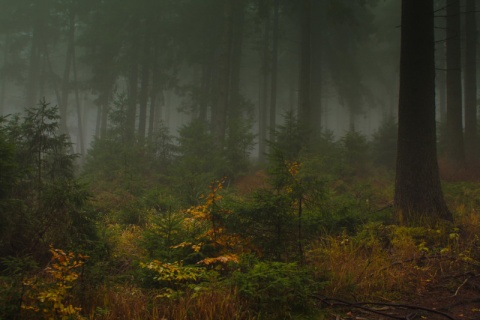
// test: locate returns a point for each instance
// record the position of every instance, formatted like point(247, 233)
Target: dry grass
point(367, 269)
point(131, 303)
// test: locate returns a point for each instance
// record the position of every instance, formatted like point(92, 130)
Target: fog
point(176, 59)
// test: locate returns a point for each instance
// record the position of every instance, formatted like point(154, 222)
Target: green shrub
point(275, 290)
point(384, 144)
point(356, 153)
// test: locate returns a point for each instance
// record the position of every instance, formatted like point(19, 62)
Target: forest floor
point(453, 297)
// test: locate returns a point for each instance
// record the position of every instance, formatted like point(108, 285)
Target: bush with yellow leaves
point(48, 295)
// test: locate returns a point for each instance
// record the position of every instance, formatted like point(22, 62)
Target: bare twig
point(460, 286)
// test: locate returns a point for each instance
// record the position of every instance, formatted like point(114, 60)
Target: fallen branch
point(362, 306)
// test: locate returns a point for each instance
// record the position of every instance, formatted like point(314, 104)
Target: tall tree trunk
point(49, 74)
point(103, 113)
point(316, 67)
point(236, 61)
point(304, 104)
point(205, 87)
point(34, 66)
point(155, 88)
point(66, 72)
point(263, 96)
point(219, 116)
point(418, 193)
point(132, 83)
point(273, 86)
point(145, 81)
point(78, 108)
point(235, 111)
point(4, 78)
point(470, 83)
point(454, 136)
point(442, 95)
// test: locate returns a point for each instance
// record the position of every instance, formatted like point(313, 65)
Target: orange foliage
point(228, 245)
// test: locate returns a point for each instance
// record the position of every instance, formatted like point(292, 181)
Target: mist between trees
point(181, 142)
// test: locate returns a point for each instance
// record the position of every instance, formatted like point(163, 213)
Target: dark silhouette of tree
point(470, 83)
point(304, 107)
point(454, 139)
point(418, 193)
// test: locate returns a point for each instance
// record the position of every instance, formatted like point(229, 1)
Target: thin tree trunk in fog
point(235, 104)
point(4, 77)
point(263, 101)
point(273, 86)
point(104, 110)
point(132, 83)
point(304, 104)
point(155, 115)
point(316, 67)
point(219, 116)
point(52, 76)
point(66, 73)
point(205, 87)
point(34, 66)
point(146, 65)
point(236, 61)
point(471, 138)
point(78, 107)
point(132, 101)
point(155, 88)
point(454, 136)
point(418, 193)
point(152, 113)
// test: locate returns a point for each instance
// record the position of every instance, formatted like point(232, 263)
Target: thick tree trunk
point(454, 136)
point(470, 83)
point(418, 193)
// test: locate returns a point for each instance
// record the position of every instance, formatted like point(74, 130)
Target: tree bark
point(418, 193)
point(470, 83)
point(455, 152)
